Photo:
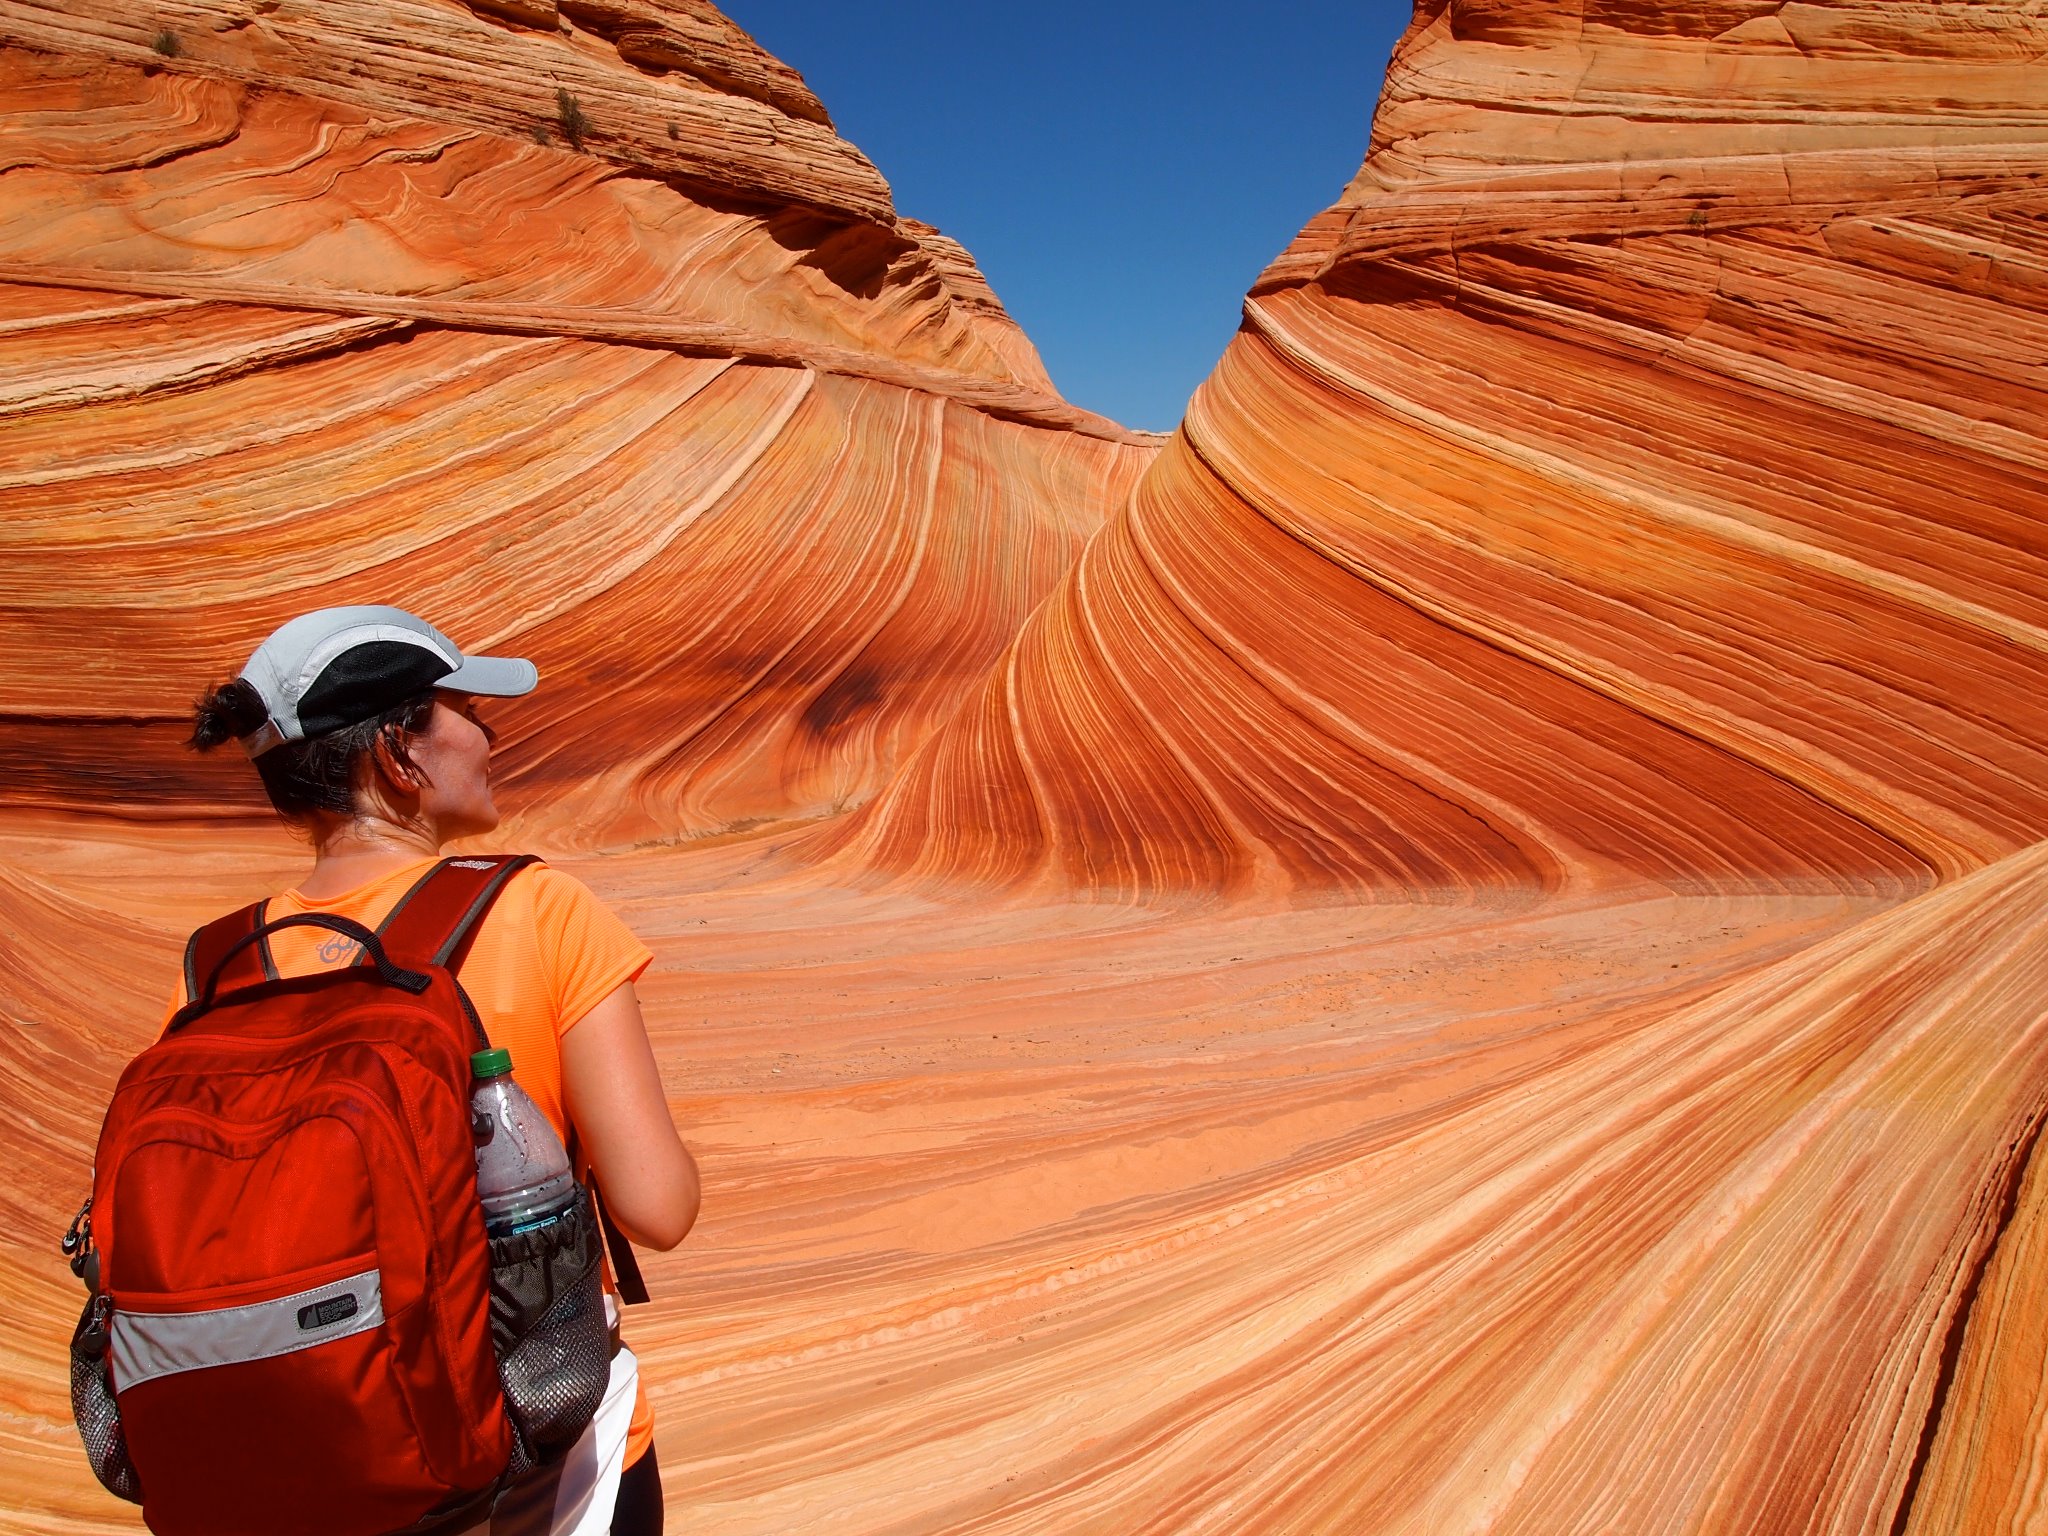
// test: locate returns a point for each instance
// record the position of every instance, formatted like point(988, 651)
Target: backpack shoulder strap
point(434, 922)
point(206, 948)
point(625, 1267)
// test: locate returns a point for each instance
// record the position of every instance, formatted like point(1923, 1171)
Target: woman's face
point(455, 752)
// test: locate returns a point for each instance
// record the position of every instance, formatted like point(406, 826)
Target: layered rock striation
point(1462, 948)
point(307, 304)
point(1638, 474)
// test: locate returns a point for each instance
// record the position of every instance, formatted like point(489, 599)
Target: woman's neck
point(356, 852)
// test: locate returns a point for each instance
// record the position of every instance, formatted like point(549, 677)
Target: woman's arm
point(613, 1094)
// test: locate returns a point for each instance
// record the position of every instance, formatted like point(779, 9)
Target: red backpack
point(297, 1320)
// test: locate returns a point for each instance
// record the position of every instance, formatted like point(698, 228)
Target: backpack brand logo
point(325, 1314)
point(472, 863)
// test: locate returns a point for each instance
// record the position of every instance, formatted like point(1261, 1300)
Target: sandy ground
point(1004, 1201)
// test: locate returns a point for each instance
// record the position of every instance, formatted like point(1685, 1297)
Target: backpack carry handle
point(398, 976)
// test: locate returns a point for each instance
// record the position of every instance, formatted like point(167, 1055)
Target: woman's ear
point(396, 767)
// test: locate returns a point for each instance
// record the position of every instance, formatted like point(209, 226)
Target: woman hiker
point(363, 725)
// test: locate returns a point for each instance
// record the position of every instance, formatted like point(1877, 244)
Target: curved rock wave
point(1562, 516)
point(764, 490)
point(1460, 948)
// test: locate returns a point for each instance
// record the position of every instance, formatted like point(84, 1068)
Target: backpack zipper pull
point(79, 1234)
point(77, 1247)
point(95, 1328)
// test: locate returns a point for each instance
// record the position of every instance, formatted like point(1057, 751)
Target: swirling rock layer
point(1112, 1217)
point(761, 475)
point(1462, 949)
point(1638, 475)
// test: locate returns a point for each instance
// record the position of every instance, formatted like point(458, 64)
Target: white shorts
point(576, 1496)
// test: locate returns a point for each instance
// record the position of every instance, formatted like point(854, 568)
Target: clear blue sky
point(1121, 171)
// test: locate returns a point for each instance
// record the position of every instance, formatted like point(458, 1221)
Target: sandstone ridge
point(309, 302)
point(1637, 474)
point(1460, 947)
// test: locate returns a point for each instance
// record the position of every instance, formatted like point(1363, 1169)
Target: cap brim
point(497, 677)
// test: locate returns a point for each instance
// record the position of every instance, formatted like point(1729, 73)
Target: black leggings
point(638, 1512)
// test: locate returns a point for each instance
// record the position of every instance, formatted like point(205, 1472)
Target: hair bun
point(231, 710)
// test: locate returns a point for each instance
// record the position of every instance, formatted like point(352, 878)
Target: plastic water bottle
point(523, 1176)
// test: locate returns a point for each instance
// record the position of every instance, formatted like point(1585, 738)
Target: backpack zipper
point(401, 1135)
point(77, 1247)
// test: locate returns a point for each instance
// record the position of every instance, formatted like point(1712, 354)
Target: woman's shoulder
point(582, 948)
point(564, 911)
point(550, 891)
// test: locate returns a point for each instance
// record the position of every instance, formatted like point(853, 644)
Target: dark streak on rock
point(1959, 1325)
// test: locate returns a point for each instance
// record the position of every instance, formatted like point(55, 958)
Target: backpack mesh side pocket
point(548, 1323)
point(93, 1407)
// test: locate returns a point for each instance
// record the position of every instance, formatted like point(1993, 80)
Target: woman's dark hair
point(320, 773)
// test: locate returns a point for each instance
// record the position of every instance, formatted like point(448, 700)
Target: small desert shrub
point(674, 132)
point(166, 43)
point(569, 115)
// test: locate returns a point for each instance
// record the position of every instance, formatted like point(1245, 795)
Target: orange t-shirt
point(548, 952)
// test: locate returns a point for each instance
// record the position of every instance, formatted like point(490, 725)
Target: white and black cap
point(338, 667)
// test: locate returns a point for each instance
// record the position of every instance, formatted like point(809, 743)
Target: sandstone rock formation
point(1638, 473)
point(315, 304)
point(1481, 964)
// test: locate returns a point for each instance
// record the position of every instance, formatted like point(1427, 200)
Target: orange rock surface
point(1462, 948)
point(1638, 474)
point(265, 349)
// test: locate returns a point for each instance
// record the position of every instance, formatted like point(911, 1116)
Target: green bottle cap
point(496, 1062)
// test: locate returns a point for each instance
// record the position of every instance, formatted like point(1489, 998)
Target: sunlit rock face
point(314, 303)
point(1479, 965)
point(1637, 474)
